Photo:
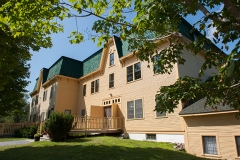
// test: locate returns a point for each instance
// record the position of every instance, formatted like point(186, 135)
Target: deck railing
point(97, 123)
point(9, 128)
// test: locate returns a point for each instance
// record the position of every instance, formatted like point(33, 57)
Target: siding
point(145, 88)
point(67, 96)
point(193, 65)
point(224, 126)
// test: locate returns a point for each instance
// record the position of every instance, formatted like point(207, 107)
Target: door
point(107, 117)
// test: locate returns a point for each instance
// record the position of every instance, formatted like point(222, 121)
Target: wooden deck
point(9, 128)
point(97, 124)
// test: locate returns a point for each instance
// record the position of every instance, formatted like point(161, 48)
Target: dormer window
point(111, 62)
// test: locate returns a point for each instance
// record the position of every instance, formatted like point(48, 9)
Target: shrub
point(58, 126)
point(26, 132)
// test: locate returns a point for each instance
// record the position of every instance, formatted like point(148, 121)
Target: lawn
point(103, 148)
point(11, 139)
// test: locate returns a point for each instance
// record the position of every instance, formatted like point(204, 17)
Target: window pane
point(84, 90)
point(36, 100)
point(111, 62)
point(137, 70)
point(130, 110)
point(67, 112)
point(96, 85)
point(238, 145)
point(111, 80)
point(159, 114)
point(129, 73)
point(92, 87)
point(210, 145)
point(155, 64)
point(138, 109)
point(151, 136)
point(83, 112)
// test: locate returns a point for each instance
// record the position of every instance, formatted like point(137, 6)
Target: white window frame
point(45, 95)
point(111, 81)
point(133, 73)
point(203, 147)
point(134, 109)
point(84, 89)
point(111, 61)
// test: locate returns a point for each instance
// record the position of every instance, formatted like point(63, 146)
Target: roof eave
point(208, 113)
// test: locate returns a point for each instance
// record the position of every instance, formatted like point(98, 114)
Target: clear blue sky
point(62, 47)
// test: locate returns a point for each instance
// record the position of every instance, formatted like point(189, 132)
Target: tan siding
point(225, 126)
point(144, 88)
point(67, 96)
point(192, 66)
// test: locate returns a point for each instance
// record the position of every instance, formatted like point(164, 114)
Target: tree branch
point(232, 9)
point(91, 13)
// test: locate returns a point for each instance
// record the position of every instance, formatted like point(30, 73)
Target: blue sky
point(62, 47)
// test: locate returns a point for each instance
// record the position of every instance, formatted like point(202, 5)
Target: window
point(83, 112)
point(92, 87)
point(136, 70)
point(96, 85)
point(151, 136)
point(84, 89)
point(42, 116)
point(134, 109)
point(156, 69)
point(111, 80)
point(33, 100)
point(111, 62)
point(238, 145)
point(45, 95)
point(159, 114)
point(51, 91)
point(36, 100)
point(209, 145)
point(67, 111)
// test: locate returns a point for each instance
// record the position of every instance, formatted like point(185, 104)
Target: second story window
point(92, 87)
point(33, 101)
point(84, 89)
point(111, 61)
point(95, 86)
point(134, 72)
point(156, 69)
point(111, 80)
point(45, 95)
point(51, 91)
point(36, 100)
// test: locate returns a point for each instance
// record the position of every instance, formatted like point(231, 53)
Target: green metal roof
point(45, 75)
point(35, 86)
point(73, 68)
point(67, 67)
point(92, 63)
point(184, 28)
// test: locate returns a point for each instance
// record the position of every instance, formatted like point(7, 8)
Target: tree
point(20, 113)
point(161, 17)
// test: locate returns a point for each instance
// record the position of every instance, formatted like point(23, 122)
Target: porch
point(89, 124)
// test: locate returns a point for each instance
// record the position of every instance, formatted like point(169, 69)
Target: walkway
point(11, 143)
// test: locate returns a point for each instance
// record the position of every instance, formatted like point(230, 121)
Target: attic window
point(111, 60)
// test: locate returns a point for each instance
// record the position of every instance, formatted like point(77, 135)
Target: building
point(113, 91)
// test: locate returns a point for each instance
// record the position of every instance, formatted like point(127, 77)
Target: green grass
point(11, 139)
point(102, 148)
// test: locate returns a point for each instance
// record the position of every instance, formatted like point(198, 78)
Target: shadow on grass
point(68, 150)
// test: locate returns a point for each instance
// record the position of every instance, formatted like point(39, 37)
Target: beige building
point(113, 91)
